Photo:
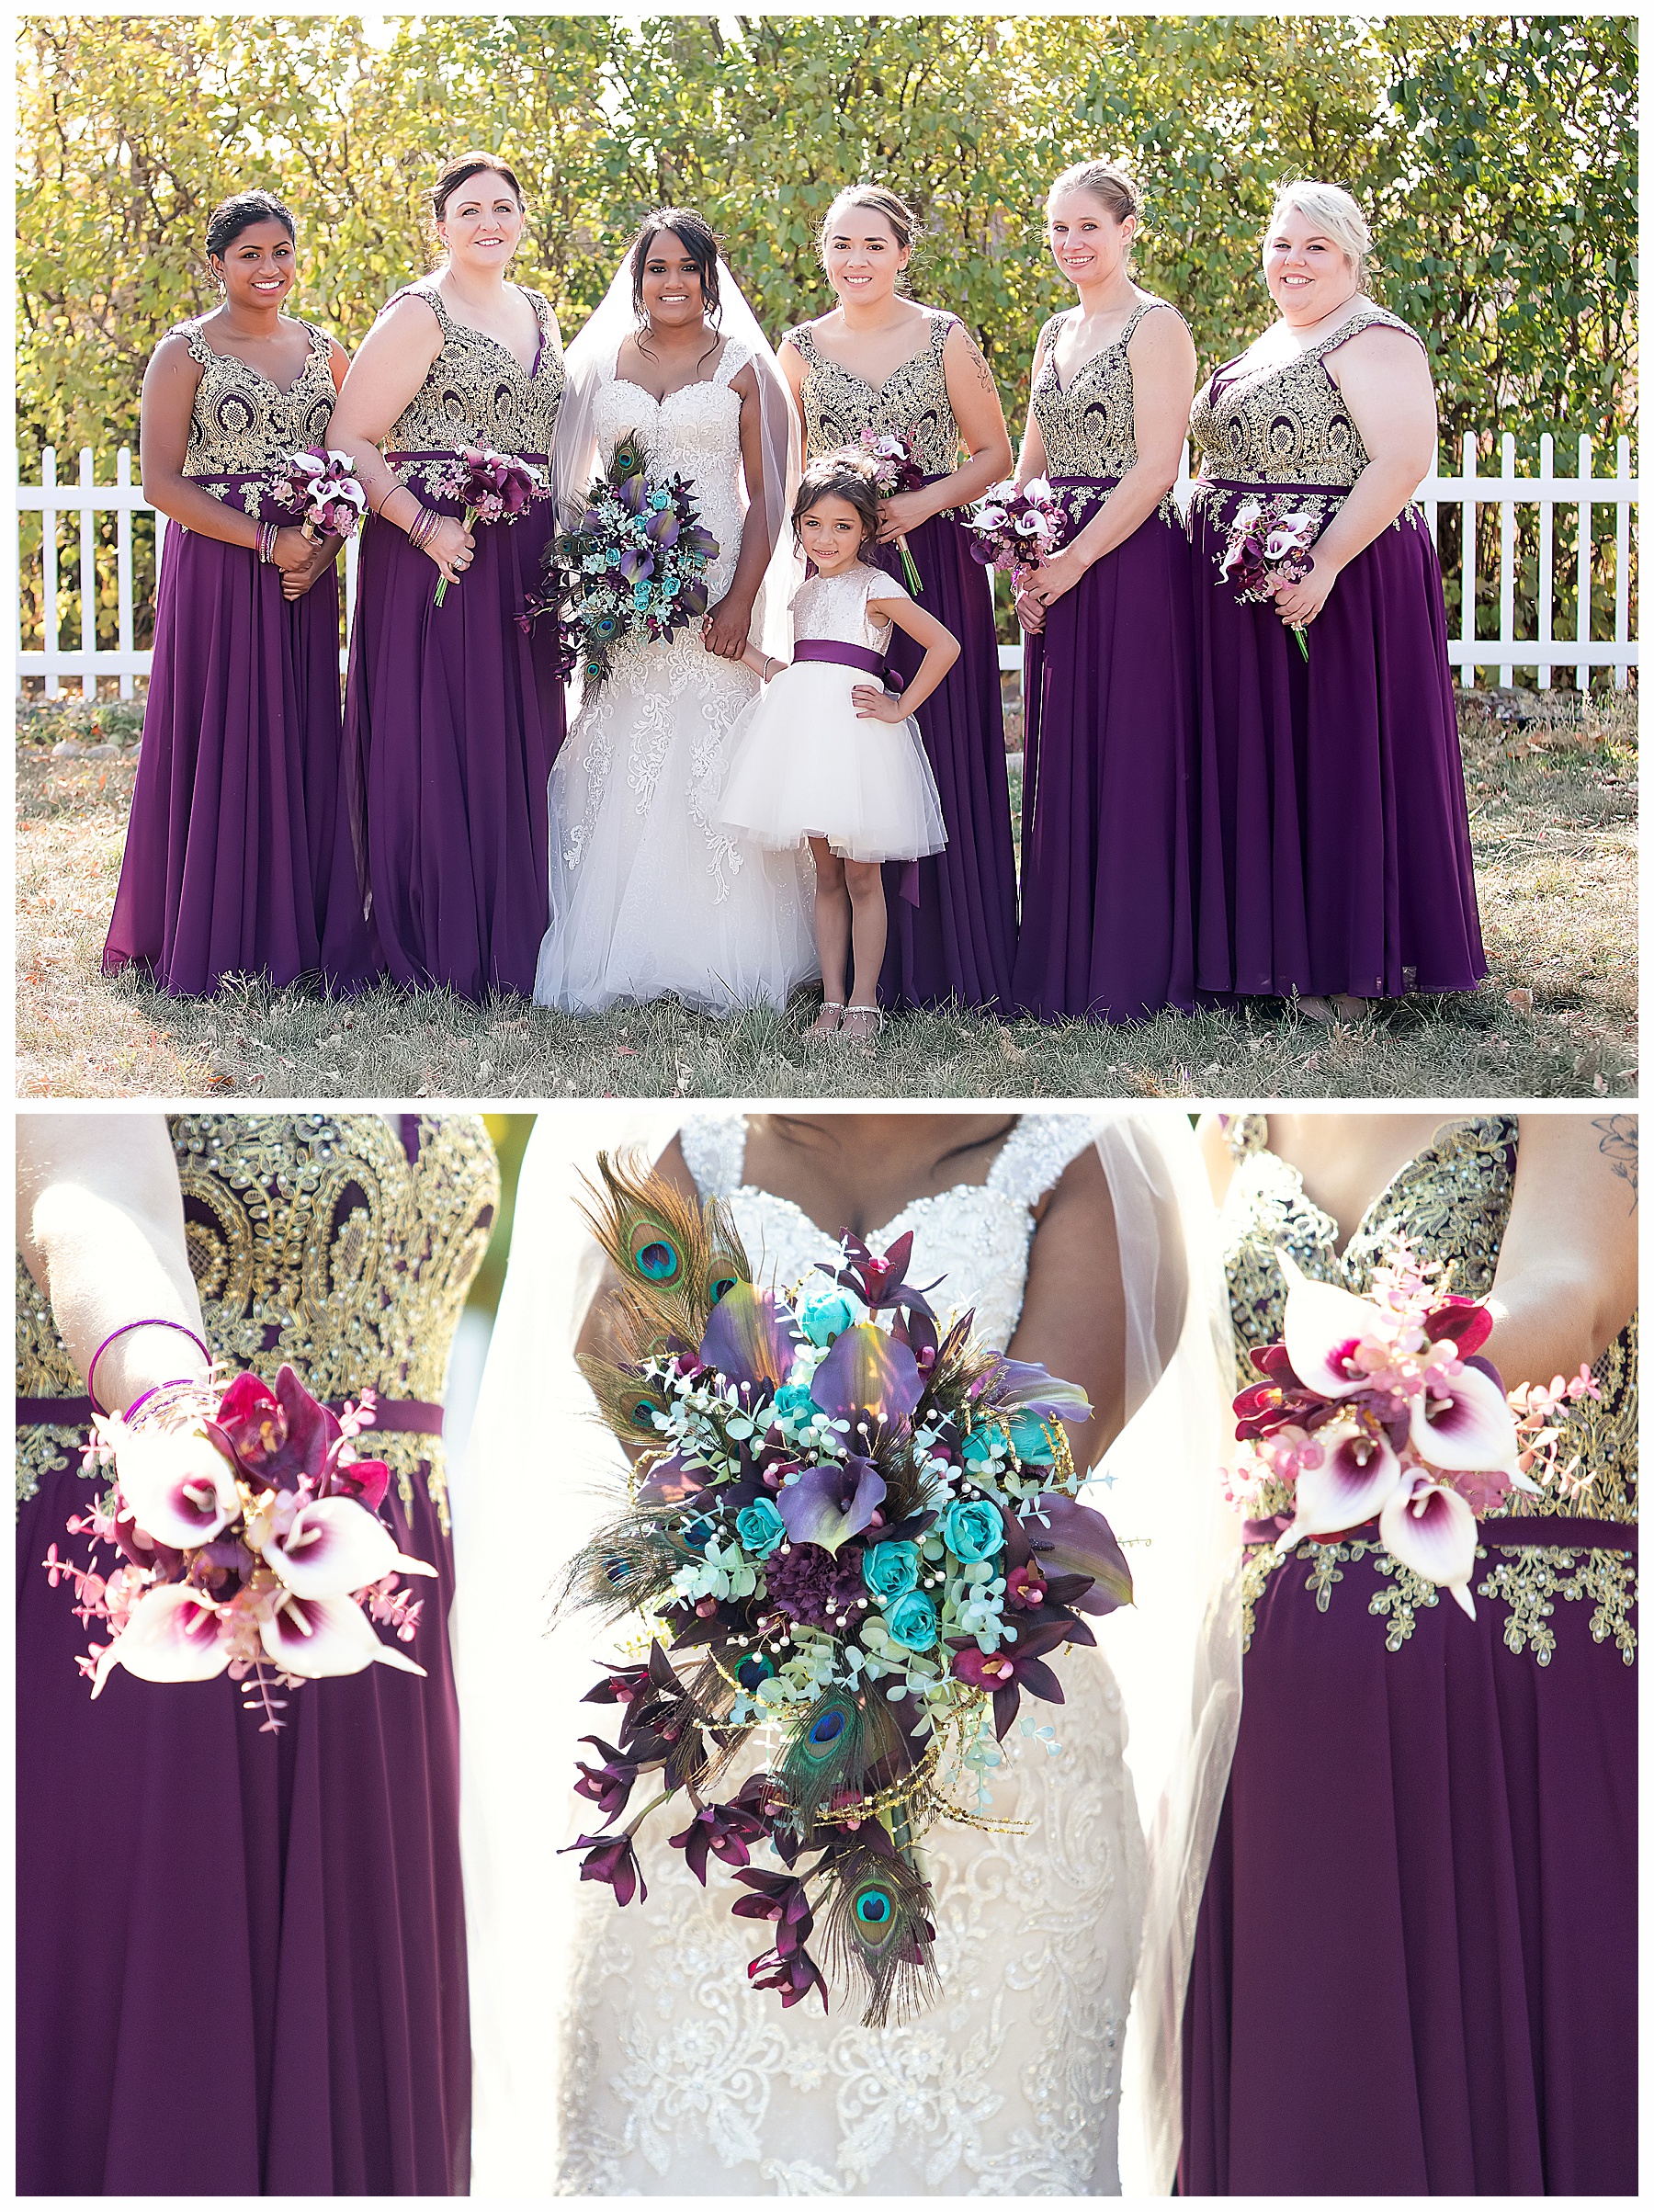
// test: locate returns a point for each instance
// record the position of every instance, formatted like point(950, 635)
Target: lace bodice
point(912, 400)
point(836, 607)
point(976, 1236)
point(327, 1240)
point(477, 393)
point(1285, 422)
point(1089, 429)
point(693, 433)
point(678, 2077)
point(240, 424)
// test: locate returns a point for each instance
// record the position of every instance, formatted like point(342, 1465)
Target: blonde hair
point(1331, 209)
point(1109, 182)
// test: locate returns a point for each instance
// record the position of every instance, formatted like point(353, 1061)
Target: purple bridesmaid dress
point(231, 833)
point(1334, 851)
point(453, 716)
point(1108, 921)
point(1415, 1961)
point(240, 1957)
point(958, 939)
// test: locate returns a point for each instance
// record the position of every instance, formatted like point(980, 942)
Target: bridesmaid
point(228, 845)
point(240, 1959)
point(1334, 847)
point(881, 361)
point(1108, 921)
point(452, 715)
point(1415, 1962)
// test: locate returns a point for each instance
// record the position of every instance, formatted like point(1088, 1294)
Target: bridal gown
point(679, 2078)
point(650, 894)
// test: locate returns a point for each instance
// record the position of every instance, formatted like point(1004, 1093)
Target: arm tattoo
point(1616, 1140)
point(978, 361)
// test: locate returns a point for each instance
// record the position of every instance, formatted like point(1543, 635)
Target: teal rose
point(825, 1314)
point(1029, 1441)
point(973, 1529)
point(793, 1402)
point(760, 1528)
point(890, 1568)
point(912, 1620)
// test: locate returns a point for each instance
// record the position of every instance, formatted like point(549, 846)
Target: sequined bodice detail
point(912, 400)
point(240, 423)
point(975, 1236)
point(1089, 429)
point(315, 1239)
point(1452, 1202)
point(478, 393)
point(1285, 422)
point(694, 432)
point(836, 607)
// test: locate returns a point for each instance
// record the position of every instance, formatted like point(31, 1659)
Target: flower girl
point(813, 761)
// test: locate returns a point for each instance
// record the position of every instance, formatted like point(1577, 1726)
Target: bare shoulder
point(1080, 1194)
point(1213, 1141)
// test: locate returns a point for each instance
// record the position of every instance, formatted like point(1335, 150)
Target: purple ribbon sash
point(847, 656)
point(1556, 1531)
point(396, 1417)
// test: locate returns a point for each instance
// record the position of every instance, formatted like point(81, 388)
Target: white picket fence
point(1546, 654)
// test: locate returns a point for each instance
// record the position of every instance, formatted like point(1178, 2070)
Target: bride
point(649, 894)
point(622, 2052)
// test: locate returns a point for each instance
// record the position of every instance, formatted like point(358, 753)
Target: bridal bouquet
point(246, 1536)
point(635, 566)
point(896, 468)
point(1382, 1407)
point(1015, 529)
point(325, 489)
point(491, 486)
point(1270, 542)
point(851, 1538)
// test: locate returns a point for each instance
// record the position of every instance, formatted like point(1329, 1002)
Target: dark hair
point(700, 243)
point(904, 222)
point(849, 476)
point(460, 170)
point(239, 213)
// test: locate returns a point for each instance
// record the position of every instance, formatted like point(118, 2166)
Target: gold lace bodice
point(1089, 429)
point(1452, 1202)
point(1285, 422)
point(313, 1240)
point(243, 425)
point(912, 400)
point(478, 393)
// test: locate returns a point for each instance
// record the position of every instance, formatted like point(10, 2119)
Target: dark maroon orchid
point(1014, 1668)
point(275, 1436)
point(611, 1859)
point(879, 1281)
point(778, 1897)
point(610, 1785)
point(794, 1977)
point(723, 1830)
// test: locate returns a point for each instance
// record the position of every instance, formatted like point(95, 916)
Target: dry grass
point(1553, 818)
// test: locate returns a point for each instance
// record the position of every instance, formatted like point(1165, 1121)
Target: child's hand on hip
point(874, 703)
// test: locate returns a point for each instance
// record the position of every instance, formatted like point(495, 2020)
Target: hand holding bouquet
point(1382, 1407)
point(1270, 542)
point(848, 1530)
point(491, 487)
point(246, 1535)
point(1015, 529)
point(325, 489)
point(896, 468)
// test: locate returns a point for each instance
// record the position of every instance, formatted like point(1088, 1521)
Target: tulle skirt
point(806, 764)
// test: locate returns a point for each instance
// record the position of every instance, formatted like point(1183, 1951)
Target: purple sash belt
point(396, 1417)
point(847, 656)
point(1554, 1530)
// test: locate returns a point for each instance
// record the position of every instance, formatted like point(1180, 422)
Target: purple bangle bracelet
point(126, 1328)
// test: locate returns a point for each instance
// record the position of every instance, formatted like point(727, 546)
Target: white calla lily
point(1357, 1477)
point(171, 1634)
point(1431, 1529)
point(319, 1635)
point(1322, 1326)
point(1465, 1424)
point(334, 1546)
point(177, 1485)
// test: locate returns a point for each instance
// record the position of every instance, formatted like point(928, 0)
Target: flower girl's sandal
point(868, 1020)
point(822, 1025)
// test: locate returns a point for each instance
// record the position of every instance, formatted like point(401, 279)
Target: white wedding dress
point(679, 2077)
point(650, 894)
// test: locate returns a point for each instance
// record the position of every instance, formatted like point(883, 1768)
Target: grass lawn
point(1553, 813)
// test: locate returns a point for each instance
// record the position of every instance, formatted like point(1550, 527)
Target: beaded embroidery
point(313, 1240)
point(1090, 429)
point(1285, 422)
point(839, 404)
point(242, 424)
point(477, 393)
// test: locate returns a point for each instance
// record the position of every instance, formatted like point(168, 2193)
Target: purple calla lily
point(1024, 1384)
point(867, 1371)
point(1070, 1539)
point(827, 1505)
point(751, 1337)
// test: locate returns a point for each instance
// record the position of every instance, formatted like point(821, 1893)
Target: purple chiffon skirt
point(1107, 919)
point(1334, 843)
point(959, 941)
point(1415, 1964)
point(452, 719)
point(240, 1957)
point(231, 826)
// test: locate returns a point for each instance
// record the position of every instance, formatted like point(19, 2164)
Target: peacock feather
point(629, 1565)
point(674, 1258)
point(877, 1926)
point(847, 1744)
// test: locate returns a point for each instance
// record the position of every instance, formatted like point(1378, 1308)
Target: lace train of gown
point(651, 895)
point(678, 2078)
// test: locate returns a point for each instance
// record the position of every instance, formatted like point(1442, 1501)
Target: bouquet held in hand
point(491, 487)
point(852, 1542)
point(1269, 542)
point(246, 1536)
point(1016, 527)
point(634, 567)
point(1382, 1407)
point(326, 491)
point(896, 468)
